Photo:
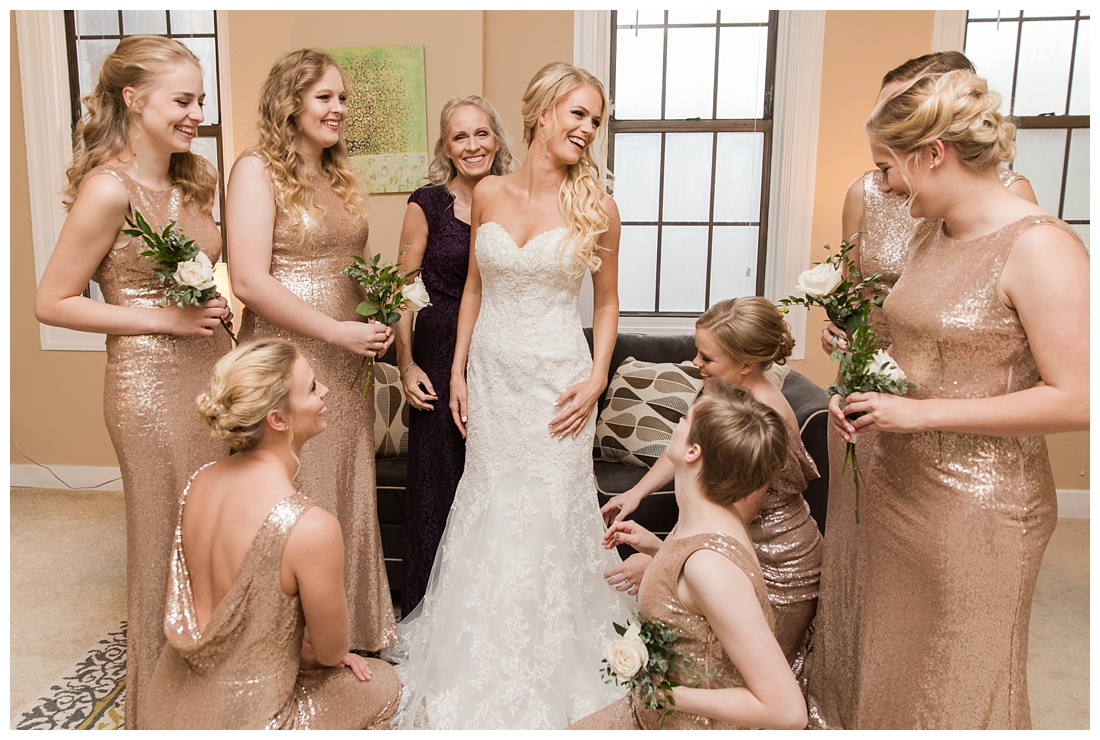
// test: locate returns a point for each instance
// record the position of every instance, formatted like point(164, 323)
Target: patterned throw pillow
point(391, 413)
point(645, 402)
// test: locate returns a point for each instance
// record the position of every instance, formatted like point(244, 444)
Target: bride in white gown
point(516, 612)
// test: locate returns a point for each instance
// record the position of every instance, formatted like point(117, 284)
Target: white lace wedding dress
point(509, 633)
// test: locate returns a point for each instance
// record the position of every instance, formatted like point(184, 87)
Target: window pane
point(205, 50)
point(1076, 206)
point(1039, 157)
point(1079, 98)
point(687, 177)
point(638, 57)
point(641, 17)
point(733, 262)
point(993, 52)
point(737, 177)
point(144, 21)
point(742, 62)
point(689, 88)
point(97, 23)
point(637, 175)
point(744, 16)
point(1043, 77)
point(1050, 13)
point(692, 16)
point(637, 268)
point(993, 13)
point(1083, 231)
point(90, 55)
point(192, 21)
point(683, 268)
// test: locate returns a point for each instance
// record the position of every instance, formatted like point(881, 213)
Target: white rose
point(416, 295)
point(820, 280)
point(878, 366)
point(625, 656)
point(197, 273)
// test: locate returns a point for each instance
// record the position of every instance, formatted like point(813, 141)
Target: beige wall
point(56, 413)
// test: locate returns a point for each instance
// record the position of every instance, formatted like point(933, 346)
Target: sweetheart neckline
point(513, 239)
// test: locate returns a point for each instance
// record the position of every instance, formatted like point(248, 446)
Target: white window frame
point(44, 73)
point(794, 140)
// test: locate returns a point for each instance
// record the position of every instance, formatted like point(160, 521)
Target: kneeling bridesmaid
point(255, 564)
point(706, 581)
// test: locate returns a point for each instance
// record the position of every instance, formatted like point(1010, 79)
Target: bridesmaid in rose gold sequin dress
point(959, 500)
point(158, 358)
point(295, 216)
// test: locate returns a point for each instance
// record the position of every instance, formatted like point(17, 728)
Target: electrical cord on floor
point(55, 475)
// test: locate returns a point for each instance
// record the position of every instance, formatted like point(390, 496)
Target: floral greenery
point(384, 286)
point(651, 683)
point(169, 248)
point(850, 304)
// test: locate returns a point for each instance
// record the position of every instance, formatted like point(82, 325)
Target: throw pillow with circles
point(391, 413)
point(645, 402)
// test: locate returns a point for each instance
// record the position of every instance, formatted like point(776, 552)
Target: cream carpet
point(68, 584)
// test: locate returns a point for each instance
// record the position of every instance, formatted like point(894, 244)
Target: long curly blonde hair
point(442, 169)
point(586, 182)
point(105, 131)
point(281, 101)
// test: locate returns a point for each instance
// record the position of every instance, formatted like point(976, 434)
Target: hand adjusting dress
point(658, 599)
point(241, 671)
point(337, 468)
point(516, 611)
point(149, 390)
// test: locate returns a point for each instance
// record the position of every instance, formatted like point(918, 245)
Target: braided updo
point(956, 107)
point(248, 382)
point(749, 329)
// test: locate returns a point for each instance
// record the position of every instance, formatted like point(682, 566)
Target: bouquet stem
point(368, 363)
point(229, 331)
point(850, 459)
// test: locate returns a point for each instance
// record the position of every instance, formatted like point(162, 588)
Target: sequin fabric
point(788, 546)
point(149, 390)
point(658, 599)
point(242, 670)
point(338, 467)
point(953, 525)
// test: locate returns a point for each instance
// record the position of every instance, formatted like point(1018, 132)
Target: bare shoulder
point(103, 191)
point(251, 167)
point(1048, 242)
point(705, 567)
point(316, 529)
point(490, 186)
point(772, 397)
point(610, 207)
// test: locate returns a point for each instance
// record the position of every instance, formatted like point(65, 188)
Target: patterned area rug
point(89, 699)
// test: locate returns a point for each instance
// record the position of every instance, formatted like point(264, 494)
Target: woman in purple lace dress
point(435, 236)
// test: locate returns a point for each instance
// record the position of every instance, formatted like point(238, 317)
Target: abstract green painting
point(387, 125)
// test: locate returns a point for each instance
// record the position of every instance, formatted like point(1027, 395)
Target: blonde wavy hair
point(956, 107)
point(106, 130)
point(586, 182)
point(281, 101)
point(248, 382)
point(442, 169)
point(749, 329)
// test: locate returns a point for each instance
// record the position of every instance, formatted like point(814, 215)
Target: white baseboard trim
point(1073, 504)
point(86, 477)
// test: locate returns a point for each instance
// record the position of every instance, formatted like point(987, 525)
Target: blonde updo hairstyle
point(248, 382)
point(442, 169)
point(581, 196)
point(281, 101)
point(956, 107)
point(743, 442)
point(110, 126)
point(749, 329)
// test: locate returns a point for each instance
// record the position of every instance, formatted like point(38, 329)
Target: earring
point(932, 166)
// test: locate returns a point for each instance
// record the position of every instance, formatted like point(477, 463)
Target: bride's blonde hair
point(281, 101)
point(586, 182)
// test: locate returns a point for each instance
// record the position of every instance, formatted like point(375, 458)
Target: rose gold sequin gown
point(658, 599)
point(954, 525)
point(338, 468)
point(149, 391)
point(241, 671)
point(788, 545)
point(834, 667)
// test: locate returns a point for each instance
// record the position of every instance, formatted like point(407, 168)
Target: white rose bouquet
point(388, 290)
point(837, 286)
point(864, 369)
point(182, 266)
point(641, 660)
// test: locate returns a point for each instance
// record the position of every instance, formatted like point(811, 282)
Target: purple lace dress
point(437, 452)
